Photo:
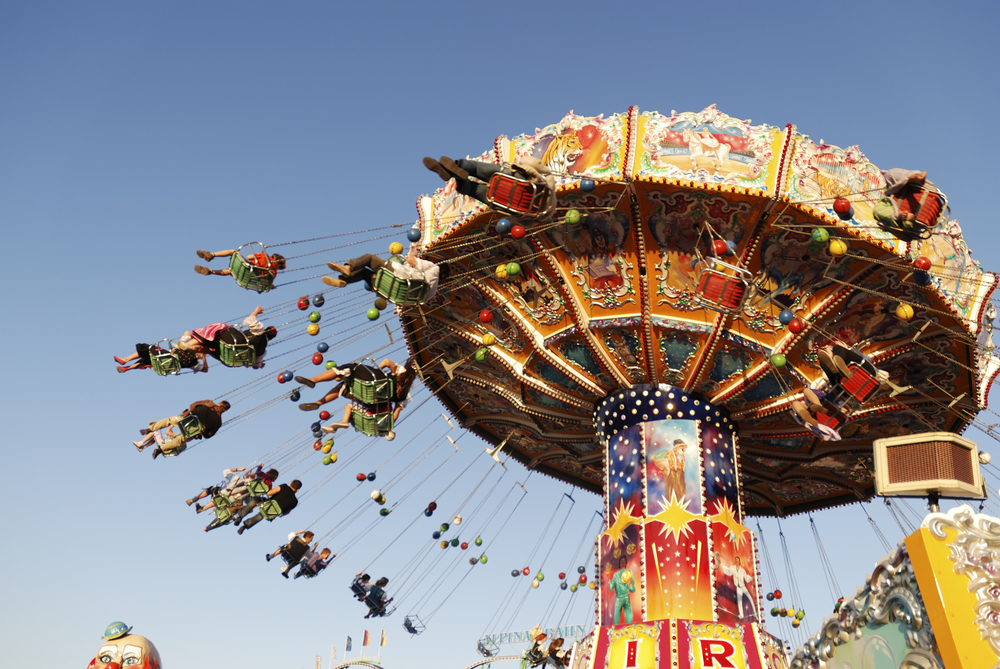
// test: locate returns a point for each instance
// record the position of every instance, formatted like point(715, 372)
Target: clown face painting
point(127, 651)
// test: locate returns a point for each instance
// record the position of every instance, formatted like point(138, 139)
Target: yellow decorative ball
point(838, 247)
point(395, 248)
point(489, 339)
point(327, 448)
point(333, 457)
point(904, 311)
point(444, 544)
point(501, 271)
point(313, 329)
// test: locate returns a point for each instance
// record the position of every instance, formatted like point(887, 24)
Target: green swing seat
point(406, 292)
point(190, 426)
point(373, 391)
point(269, 510)
point(240, 354)
point(377, 425)
point(223, 508)
point(257, 487)
point(249, 275)
point(164, 361)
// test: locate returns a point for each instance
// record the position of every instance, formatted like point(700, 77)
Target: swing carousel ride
point(702, 320)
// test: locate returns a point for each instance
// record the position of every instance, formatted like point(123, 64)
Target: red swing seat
point(516, 196)
point(924, 203)
point(720, 290)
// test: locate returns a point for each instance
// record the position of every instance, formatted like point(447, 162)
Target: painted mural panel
point(672, 466)
point(678, 566)
point(576, 145)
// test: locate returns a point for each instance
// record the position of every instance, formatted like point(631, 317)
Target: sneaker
point(340, 269)
point(268, 557)
point(309, 406)
point(206, 255)
point(285, 574)
point(308, 383)
point(198, 508)
point(435, 166)
point(202, 270)
point(452, 167)
point(157, 453)
point(144, 431)
point(330, 281)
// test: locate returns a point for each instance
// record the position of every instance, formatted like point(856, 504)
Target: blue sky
point(132, 134)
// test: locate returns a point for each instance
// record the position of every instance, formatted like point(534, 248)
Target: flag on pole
point(347, 648)
point(367, 639)
point(382, 641)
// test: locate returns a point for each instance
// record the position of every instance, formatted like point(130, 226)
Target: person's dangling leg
point(166, 422)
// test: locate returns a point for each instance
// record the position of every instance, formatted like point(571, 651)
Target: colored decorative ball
point(383, 512)
point(333, 457)
point(324, 415)
point(504, 226)
point(318, 444)
point(904, 312)
point(428, 512)
point(454, 543)
point(777, 594)
point(774, 611)
point(380, 500)
point(778, 360)
point(465, 544)
point(436, 534)
point(800, 614)
point(381, 304)
point(315, 316)
point(395, 248)
point(281, 377)
point(593, 585)
point(433, 506)
point(317, 359)
point(373, 314)
point(317, 433)
point(361, 477)
point(482, 558)
point(322, 347)
point(319, 301)
point(444, 527)
point(562, 575)
point(587, 185)
point(501, 271)
point(730, 248)
point(518, 232)
point(525, 571)
point(371, 476)
point(287, 376)
point(326, 448)
point(921, 278)
point(838, 247)
point(790, 612)
point(534, 583)
point(796, 622)
point(783, 613)
point(720, 247)
point(770, 596)
point(303, 303)
point(581, 570)
point(315, 426)
point(367, 287)
point(786, 316)
point(327, 460)
point(489, 339)
point(478, 541)
point(922, 263)
point(515, 572)
point(583, 578)
point(820, 235)
point(572, 588)
point(313, 329)
point(563, 586)
point(295, 396)
point(330, 364)
point(413, 235)
point(572, 216)
point(457, 520)
point(540, 577)
point(444, 544)
point(796, 325)
point(329, 442)
point(482, 354)
point(842, 207)
point(485, 316)
point(513, 269)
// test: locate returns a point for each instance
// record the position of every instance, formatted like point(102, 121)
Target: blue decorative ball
point(315, 426)
point(587, 185)
point(786, 316)
point(319, 301)
point(413, 234)
point(371, 477)
point(367, 287)
point(428, 512)
point(921, 278)
point(436, 535)
point(504, 226)
point(287, 376)
point(515, 572)
point(563, 586)
point(581, 570)
point(322, 347)
point(730, 247)
point(294, 396)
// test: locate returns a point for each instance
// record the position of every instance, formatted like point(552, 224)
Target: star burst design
point(622, 519)
point(675, 517)
point(724, 514)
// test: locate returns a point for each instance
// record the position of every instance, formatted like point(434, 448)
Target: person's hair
point(738, 559)
point(295, 484)
point(382, 582)
point(271, 474)
point(308, 536)
point(278, 261)
point(556, 644)
point(325, 550)
point(224, 405)
point(404, 381)
point(271, 332)
point(621, 560)
point(365, 577)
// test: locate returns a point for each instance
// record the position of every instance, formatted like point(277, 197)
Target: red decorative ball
point(281, 377)
point(583, 578)
point(841, 205)
point(777, 594)
point(433, 506)
point(304, 303)
point(525, 571)
point(317, 358)
point(517, 232)
point(318, 444)
point(796, 325)
point(922, 263)
point(562, 575)
point(720, 247)
point(485, 316)
point(465, 544)
point(361, 477)
point(324, 415)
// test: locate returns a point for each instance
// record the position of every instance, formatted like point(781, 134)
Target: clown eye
point(131, 661)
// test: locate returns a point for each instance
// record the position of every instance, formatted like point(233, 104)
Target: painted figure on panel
point(740, 580)
point(622, 585)
point(671, 465)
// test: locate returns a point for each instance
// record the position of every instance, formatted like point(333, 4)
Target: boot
point(435, 166)
point(330, 281)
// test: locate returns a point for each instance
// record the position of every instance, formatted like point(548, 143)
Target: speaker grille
point(929, 461)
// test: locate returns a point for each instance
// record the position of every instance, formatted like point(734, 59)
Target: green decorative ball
point(778, 360)
point(330, 364)
point(383, 512)
point(482, 354)
point(820, 235)
point(314, 317)
point(513, 269)
point(373, 314)
point(479, 541)
point(572, 216)
point(482, 558)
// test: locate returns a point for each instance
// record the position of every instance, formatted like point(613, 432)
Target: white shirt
point(425, 270)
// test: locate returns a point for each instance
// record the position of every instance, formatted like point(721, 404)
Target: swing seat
point(925, 204)
point(269, 510)
point(720, 291)
point(373, 391)
point(406, 292)
point(249, 275)
point(831, 420)
point(190, 426)
point(487, 650)
point(861, 386)
point(257, 487)
point(237, 355)
point(517, 196)
point(164, 362)
point(413, 625)
point(377, 425)
point(358, 591)
point(223, 508)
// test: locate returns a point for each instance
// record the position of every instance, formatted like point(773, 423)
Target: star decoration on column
point(622, 519)
point(725, 515)
point(675, 517)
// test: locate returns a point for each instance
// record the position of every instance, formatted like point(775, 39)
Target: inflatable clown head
point(121, 649)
